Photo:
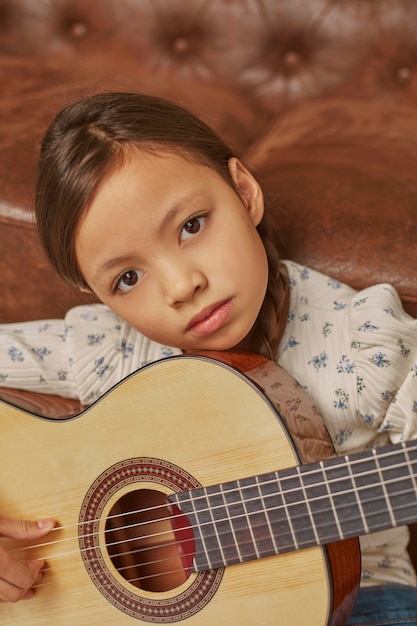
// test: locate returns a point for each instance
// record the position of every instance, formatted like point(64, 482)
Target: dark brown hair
point(90, 138)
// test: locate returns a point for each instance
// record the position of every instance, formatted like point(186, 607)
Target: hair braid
point(273, 314)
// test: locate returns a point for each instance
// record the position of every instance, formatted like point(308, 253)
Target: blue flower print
point(44, 327)
point(125, 348)
point(360, 301)
point(342, 436)
point(89, 317)
point(166, 352)
point(3, 378)
point(101, 368)
point(386, 426)
point(339, 306)
point(95, 340)
point(41, 353)
point(319, 361)
point(414, 409)
point(380, 360)
point(303, 273)
point(386, 563)
point(345, 365)
point(62, 375)
point(404, 351)
point(64, 335)
point(305, 317)
point(368, 420)
point(15, 354)
point(360, 384)
point(388, 395)
point(334, 284)
point(292, 342)
point(342, 399)
point(327, 328)
point(389, 311)
point(367, 326)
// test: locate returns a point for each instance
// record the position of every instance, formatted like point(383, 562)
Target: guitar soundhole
point(126, 517)
point(149, 541)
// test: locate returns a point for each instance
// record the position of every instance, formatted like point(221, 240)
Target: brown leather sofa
point(319, 98)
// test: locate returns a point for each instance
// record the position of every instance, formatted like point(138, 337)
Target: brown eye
point(192, 227)
point(128, 280)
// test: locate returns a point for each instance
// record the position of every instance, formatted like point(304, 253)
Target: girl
point(142, 204)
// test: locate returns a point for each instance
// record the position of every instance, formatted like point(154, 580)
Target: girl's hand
point(17, 578)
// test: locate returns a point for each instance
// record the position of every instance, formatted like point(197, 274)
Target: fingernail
point(45, 523)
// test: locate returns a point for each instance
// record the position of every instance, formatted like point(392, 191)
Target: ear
point(248, 189)
point(86, 290)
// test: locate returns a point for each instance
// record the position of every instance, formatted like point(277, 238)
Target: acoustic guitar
point(193, 491)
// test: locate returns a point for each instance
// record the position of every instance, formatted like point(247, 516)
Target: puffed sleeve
point(384, 340)
point(81, 356)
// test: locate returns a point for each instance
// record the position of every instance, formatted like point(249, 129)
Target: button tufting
point(180, 45)
point(404, 74)
point(291, 59)
point(78, 30)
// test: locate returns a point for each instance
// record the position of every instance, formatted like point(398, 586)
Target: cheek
point(250, 262)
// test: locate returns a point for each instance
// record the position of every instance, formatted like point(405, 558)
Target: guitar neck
point(301, 507)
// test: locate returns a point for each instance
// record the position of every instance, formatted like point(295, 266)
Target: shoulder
point(311, 287)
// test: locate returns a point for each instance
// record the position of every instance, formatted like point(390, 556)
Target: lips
point(211, 318)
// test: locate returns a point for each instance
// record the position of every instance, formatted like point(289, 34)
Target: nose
point(182, 282)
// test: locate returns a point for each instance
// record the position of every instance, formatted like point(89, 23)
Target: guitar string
point(226, 519)
point(142, 578)
point(267, 482)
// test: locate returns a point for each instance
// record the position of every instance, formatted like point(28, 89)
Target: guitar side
point(189, 413)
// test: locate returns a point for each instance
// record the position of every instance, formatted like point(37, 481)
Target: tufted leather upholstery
point(319, 97)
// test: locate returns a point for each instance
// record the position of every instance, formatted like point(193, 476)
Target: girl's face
point(169, 246)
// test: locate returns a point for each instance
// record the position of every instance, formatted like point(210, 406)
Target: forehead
point(148, 186)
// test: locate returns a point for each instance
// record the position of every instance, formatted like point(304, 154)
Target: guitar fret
point(385, 491)
point(412, 470)
point(310, 512)
point(215, 509)
point(316, 492)
point(233, 552)
point(199, 519)
point(358, 500)
point(250, 547)
point(277, 517)
point(344, 501)
point(267, 517)
point(257, 515)
point(340, 533)
point(399, 485)
point(294, 508)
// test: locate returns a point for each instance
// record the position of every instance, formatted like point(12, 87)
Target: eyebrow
point(109, 265)
point(180, 203)
point(170, 215)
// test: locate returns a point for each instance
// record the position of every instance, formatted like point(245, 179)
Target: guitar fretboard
point(304, 506)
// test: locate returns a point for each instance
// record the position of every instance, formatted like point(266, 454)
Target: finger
point(16, 578)
point(24, 529)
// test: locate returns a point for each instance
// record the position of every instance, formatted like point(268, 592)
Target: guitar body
point(174, 425)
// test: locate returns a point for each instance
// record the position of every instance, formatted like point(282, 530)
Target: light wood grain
point(198, 415)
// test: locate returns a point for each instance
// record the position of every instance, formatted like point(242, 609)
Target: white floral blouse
point(354, 352)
